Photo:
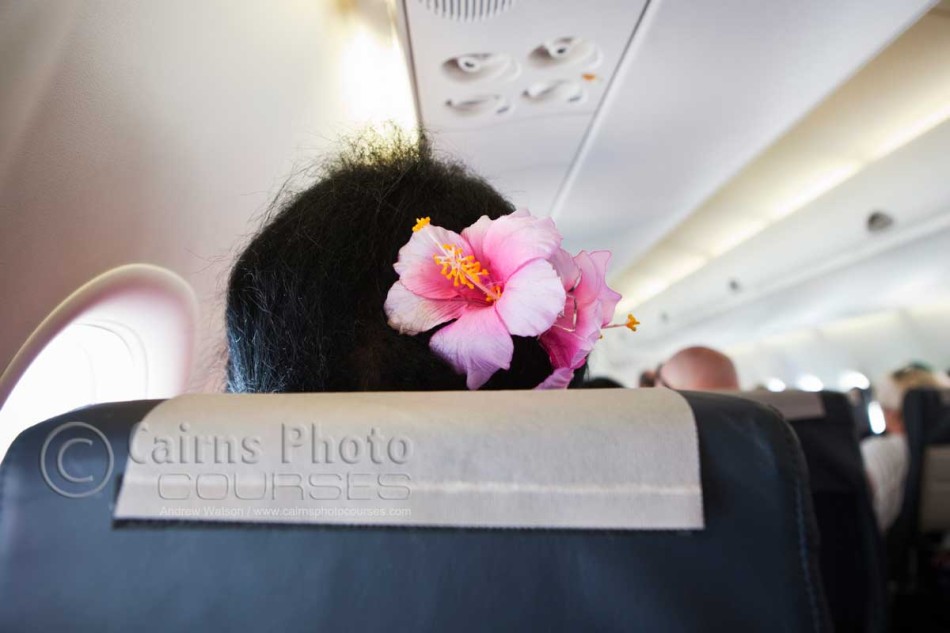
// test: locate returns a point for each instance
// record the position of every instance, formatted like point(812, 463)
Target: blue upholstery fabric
point(65, 565)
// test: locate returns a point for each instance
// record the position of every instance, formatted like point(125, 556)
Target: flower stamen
point(631, 323)
point(461, 269)
point(465, 270)
point(495, 296)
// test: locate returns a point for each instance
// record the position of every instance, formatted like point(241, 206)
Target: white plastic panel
point(910, 185)
point(535, 43)
point(528, 175)
point(514, 93)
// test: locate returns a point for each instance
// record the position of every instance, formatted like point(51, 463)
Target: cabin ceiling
point(696, 96)
point(796, 248)
point(902, 93)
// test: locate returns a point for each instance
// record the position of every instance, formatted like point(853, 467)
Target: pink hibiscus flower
point(588, 308)
point(493, 281)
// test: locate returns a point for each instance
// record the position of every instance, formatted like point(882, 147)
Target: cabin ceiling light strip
point(830, 179)
point(749, 228)
point(741, 232)
point(906, 134)
point(681, 267)
point(643, 293)
point(825, 182)
point(814, 190)
point(374, 79)
point(807, 194)
point(745, 230)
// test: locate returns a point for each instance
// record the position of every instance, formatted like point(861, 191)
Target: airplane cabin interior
point(475, 315)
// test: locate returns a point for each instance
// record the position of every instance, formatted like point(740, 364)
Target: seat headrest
point(623, 459)
point(792, 404)
point(65, 564)
point(935, 490)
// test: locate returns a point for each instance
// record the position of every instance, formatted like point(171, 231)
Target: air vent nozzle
point(481, 67)
point(559, 91)
point(480, 105)
point(566, 51)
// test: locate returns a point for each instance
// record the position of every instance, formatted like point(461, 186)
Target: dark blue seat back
point(66, 565)
point(852, 550)
point(927, 422)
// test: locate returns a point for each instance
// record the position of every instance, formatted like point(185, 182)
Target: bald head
point(699, 368)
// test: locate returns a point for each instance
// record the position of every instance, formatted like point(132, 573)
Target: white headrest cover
point(605, 458)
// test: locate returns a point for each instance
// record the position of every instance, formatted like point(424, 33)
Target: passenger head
point(305, 298)
point(698, 368)
point(891, 390)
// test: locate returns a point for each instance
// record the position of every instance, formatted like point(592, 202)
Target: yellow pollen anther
point(421, 223)
point(632, 323)
point(464, 270)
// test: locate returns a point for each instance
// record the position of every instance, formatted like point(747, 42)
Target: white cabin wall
point(159, 131)
point(873, 344)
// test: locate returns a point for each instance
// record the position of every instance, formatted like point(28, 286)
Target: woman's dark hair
point(601, 382)
point(305, 299)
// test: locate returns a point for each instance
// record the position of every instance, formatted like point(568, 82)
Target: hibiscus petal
point(565, 349)
point(559, 379)
point(513, 240)
point(607, 297)
point(411, 314)
point(416, 268)
point(568, 314)
point(475, 236)
point(601, 259)
point(588, 325)
point(593, 305)
point(532, 299)
point(566, 269)
point(608, 306)
point(477, 345)
point(592, 278)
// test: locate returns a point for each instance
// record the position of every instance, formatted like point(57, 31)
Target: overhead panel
point(512, 86)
